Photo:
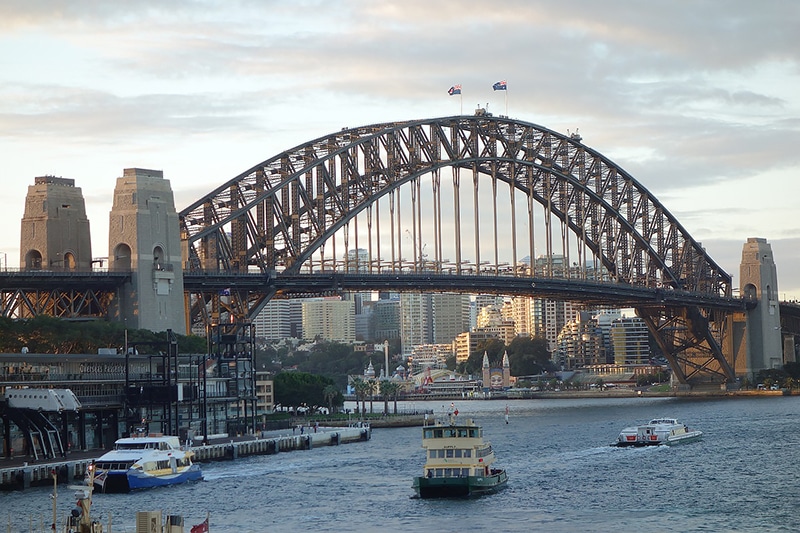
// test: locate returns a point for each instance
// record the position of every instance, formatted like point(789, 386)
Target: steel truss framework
point(278, 217)
point(67, 293)
point(62, 303)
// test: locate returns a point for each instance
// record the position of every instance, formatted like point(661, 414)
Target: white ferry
point(656, 432)
point(143, 461)
point(459, 462)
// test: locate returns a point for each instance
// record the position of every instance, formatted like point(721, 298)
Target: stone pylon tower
point(758, 279)
point(144, 238)
point(55, 230)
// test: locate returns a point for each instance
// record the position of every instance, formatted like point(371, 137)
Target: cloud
point(699, 103)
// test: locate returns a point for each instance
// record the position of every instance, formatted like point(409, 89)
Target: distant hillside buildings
point(432, 327)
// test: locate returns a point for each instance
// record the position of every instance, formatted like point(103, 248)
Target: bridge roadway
point(298, 285)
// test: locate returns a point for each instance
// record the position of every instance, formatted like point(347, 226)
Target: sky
point(698, 100)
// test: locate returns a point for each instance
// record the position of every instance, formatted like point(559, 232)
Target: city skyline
point(698, 103)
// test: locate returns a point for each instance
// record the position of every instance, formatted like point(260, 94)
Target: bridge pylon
point(758, 280)
point(143, 238)
point(55, 229)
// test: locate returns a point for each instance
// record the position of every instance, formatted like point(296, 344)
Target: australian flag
point(499, 86)
point(455, 89)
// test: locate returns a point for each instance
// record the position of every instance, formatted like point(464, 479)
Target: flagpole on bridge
point(456, 90)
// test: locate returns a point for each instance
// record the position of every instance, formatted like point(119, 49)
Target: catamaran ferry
point(656, 432)
point(143, 461)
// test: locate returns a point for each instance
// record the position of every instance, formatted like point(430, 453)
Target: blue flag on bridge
point(499, 86)
point(455, 89)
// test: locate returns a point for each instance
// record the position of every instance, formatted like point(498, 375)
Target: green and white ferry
point(459, 463)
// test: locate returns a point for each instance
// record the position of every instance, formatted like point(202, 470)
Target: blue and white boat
point(142, 461)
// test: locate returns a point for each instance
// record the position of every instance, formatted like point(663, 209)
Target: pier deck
point(20, 473)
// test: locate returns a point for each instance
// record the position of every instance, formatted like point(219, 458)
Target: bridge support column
point(758, 280)
point(55, 230)
point(143, 237)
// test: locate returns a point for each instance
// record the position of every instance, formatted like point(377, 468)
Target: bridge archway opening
point(122, 257)
point(33, 260)
point(158, 256)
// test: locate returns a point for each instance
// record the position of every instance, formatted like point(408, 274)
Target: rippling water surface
point(563, 476)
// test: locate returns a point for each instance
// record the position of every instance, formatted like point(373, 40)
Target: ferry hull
point(459, 487)
point(691, 436)
point(120, 482)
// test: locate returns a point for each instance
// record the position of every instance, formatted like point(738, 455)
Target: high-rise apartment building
point(385, 319)
point(450, 316)
point(280, 319)
point(416, 312)
point(433, 356)
point(330, 319)
point(550, 317)
point(467, 343)
point(631, 341)
point(520, 310)
point(580, 343)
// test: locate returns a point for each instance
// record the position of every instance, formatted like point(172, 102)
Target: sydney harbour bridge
point(474, 204)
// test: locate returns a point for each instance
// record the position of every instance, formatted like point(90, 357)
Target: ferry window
point(437, 433)
point(449, 453)
point(458, 453)
point(448, 472)
point(432, 454)
point(450, 433)
point(465, 472)
point(441, 454)
point(467, 453)
point(462, 432)
point(428, 434)
point(439, 472)
point(473, 433)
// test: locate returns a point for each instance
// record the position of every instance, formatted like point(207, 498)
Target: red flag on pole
point(202, 527)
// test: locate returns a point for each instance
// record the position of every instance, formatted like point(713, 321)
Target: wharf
point(19, 472)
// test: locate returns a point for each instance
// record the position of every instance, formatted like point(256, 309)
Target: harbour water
point(563, 476)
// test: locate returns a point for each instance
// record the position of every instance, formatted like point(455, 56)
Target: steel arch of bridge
point(278, 217)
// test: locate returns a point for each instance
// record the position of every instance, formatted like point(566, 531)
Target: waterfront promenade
point(20, 472)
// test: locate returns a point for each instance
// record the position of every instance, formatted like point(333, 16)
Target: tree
point(494, 348)
point(389, 389)
point(330, 393)
point(362, 389)
point(383, 387)
point(333, 359)
point(372, 389)
point(297, 388)
point(793, 369)
point(528, 356)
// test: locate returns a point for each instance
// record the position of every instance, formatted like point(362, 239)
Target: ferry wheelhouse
point(459, 463)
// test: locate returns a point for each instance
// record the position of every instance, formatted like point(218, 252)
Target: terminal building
point(209, 396)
